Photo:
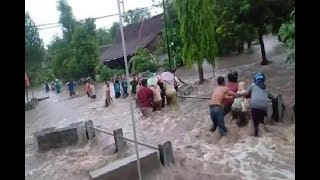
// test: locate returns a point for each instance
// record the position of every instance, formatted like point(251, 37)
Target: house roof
point(104, 48)
point(150, 28)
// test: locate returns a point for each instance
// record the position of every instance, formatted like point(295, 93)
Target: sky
point(45, 11)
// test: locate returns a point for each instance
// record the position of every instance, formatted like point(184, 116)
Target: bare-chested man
point(219, 94)
point(108, 94)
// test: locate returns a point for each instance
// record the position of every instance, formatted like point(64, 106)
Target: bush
point(105, 73)
point(143, 62)
point(287, 34)
point(179, 63)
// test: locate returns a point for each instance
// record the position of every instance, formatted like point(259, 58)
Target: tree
point(34, 49)
point(113, 30)
point(263, 13)
point(287, 34)
point(143, 62)
point(174, 38)
point(66, 18)
point(137, 15)
point(197, 21)
point(84, 46)
point(103, 37)
point(59, 52)
point(75, 54)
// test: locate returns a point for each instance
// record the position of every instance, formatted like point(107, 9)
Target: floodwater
point(199, 154)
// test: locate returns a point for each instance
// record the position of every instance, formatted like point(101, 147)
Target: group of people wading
point(232, 97)
point(154, 93)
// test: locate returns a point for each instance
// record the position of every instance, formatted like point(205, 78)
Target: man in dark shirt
point(145, 98)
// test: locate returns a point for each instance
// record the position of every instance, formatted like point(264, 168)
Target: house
point(144, 34)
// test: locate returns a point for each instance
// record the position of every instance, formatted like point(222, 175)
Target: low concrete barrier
point(126, 168)
point(53, 137)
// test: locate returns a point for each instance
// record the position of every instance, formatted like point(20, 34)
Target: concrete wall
point(126, 168)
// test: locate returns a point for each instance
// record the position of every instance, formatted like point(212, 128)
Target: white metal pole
point(128, 80)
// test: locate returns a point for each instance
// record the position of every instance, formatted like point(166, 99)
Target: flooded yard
point(199, 154)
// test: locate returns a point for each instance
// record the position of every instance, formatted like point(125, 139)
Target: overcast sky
point(45, 11)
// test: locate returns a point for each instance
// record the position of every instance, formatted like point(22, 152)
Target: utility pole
point(128, 80)
point(165, 25)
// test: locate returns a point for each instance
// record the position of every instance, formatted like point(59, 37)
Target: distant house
point(144, 34)
point(104, 48)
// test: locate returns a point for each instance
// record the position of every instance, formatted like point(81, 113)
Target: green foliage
point(197, 21)
point(105, 73)
point(231, 33)
point(166, 64)
point(174, 38)
point(137, 15)
point(287, 34)
point(75, 55)
point(262, 14)
point(84, 50)
point(59, 52)
point(143, 61)
point(103, 37)
point(34, 49)
point(113, 30)
point(66, 19)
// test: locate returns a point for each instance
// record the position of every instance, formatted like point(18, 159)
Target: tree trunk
point(249, 44)
point(263, 51)
point(279, 38)
point(200, 71)
point(239, 49)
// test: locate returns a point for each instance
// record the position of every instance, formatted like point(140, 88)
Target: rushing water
point(199, 154)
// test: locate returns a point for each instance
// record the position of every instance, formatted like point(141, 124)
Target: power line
point(57, 24)
point(49, 27)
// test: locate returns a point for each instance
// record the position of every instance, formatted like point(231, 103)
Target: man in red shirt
point(145, 98)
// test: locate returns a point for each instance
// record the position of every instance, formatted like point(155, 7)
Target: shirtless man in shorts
point(219, 94)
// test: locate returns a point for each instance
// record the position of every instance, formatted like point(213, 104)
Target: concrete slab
point(126, 168)
point(53, 137)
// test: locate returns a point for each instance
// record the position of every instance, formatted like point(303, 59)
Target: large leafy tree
point(104, 37)
point(84, 50)
point(34, 49)
point(263, 13)
point(231, 33)
point(75, 54)
point(113, 30)
point(66, 19)
point(197, 21)
point(136, 15)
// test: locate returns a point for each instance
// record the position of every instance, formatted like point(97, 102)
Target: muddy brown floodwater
point(199, 154)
